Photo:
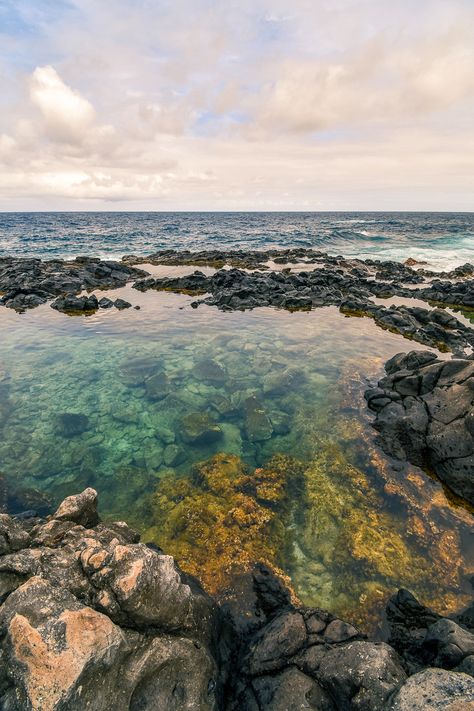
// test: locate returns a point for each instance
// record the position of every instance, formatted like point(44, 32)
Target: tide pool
point(228, 438)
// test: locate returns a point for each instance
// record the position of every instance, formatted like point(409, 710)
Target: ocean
point(444, 240)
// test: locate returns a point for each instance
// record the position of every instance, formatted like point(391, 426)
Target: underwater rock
point(258, 426)
point(134, 371)
point(173, 455)
point(157, 386)
point(209, 371)
point(224, 517)
point(283, 382)
point(71, 424)
point(199, 428)
point(424, 413)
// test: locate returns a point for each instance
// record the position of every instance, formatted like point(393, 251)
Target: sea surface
point(443, 240)
point(228, 438)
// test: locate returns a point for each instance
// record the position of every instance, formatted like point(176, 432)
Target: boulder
point(80, 509)
point(199, 428)
point(435, 690)
point(61, 655)
point(361, 675)
point(425, 413)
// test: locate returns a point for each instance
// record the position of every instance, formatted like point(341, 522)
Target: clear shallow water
point(444, 240)
point(160, 390)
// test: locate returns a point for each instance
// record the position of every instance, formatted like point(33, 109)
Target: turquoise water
point(129, 402)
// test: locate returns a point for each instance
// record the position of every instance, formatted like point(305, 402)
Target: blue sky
point(192, 104)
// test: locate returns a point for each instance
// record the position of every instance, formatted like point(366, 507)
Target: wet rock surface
point(425, 413)
point(92, 618)
point(326, 281)
point(306, 279)
point(26, 283)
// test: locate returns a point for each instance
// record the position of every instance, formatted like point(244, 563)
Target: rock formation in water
point(93, 619)
point(425, 413)
point(317, 280)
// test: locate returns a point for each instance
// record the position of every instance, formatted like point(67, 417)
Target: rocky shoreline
point(306, 279)
point(92, 618)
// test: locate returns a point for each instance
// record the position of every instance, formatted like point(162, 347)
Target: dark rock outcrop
point(94, 619)
point(425, 413)
point(311, 279)
point(26, 283)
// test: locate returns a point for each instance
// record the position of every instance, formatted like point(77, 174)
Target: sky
point(245, 105)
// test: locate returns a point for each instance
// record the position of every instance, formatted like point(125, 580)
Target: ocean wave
point(442, 239)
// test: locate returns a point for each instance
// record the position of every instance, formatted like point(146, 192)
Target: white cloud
point(66, 113)
point(261, 103)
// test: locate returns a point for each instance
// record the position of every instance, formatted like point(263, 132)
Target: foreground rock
point(425, 413)
point(93, 619)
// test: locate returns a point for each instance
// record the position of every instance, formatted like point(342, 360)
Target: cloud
point(262, 103)
point(378, 83)
point(67, 115)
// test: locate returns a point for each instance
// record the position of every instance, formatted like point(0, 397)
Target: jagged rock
point(290, 691)
point(361, 675)
point(122, 304)
point(60, 654)
point(280, 639)
point(80, 509)
point(425, 413)
point(12, 536)
point(447, 644)
point(76, 304)
point(91, 618)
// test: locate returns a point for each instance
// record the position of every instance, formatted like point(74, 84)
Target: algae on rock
point(225, 517)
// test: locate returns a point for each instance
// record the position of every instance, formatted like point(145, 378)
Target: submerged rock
point(199, 428)
point(209, 371)
point(71, 424)
point(157, 386)
point(258, 426)
point(224, 517)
